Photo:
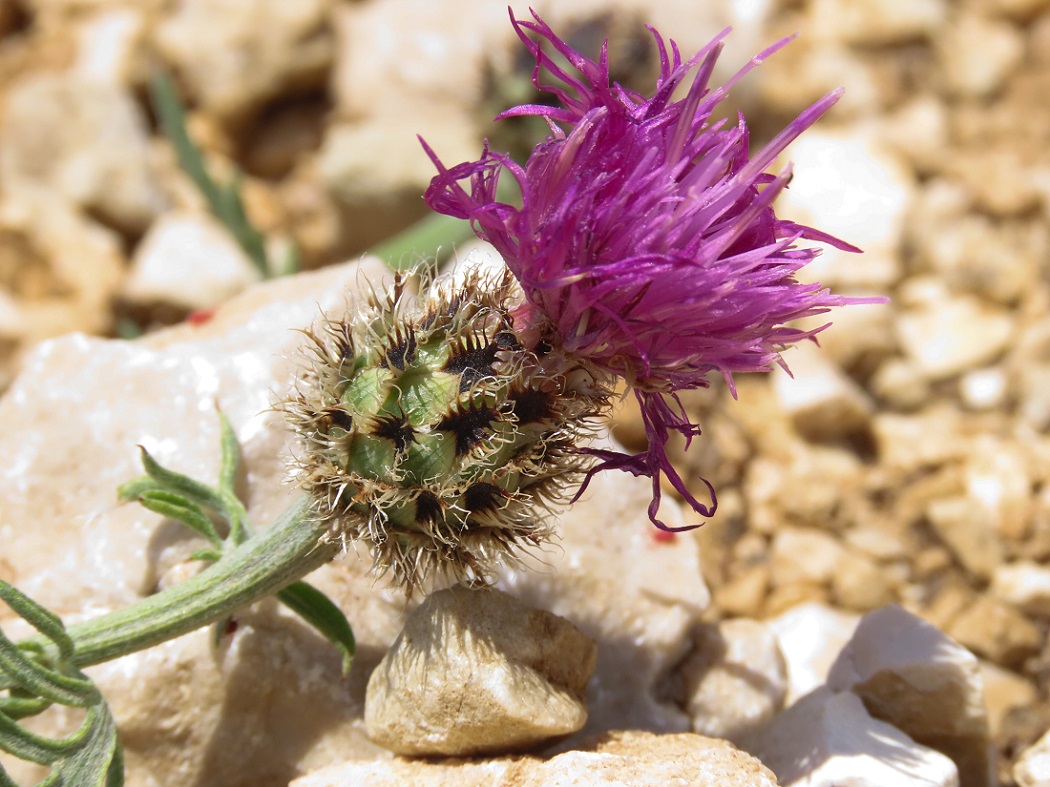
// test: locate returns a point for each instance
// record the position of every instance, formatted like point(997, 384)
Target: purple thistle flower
point(646, 237)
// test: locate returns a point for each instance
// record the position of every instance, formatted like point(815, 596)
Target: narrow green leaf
point(23, 707)
point(170, 481)
point(319, 611)
point(230, 456)
point(224, 201)
point(129, 491)
point(90, 757)
point(5, 780)
point(41, 681)
point(172, 117)
point(211, 555)
point(182, 510)
point(291, 262)
point(43, 620)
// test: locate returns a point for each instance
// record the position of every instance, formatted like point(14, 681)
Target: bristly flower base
point(434, 436)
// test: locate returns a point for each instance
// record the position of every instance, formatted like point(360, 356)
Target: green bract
point(432, 435)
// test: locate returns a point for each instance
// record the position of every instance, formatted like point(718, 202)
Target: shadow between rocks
point(270, 724)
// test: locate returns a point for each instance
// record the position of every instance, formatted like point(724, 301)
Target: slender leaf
point(168, 480)
point(319, 611)
point(182, 510)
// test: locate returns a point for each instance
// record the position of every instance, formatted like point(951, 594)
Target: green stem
point(286, 551)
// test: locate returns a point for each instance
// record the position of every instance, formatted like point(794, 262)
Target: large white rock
point(828, 739)
point(913, 676)
point(477, 671)
point(619, 758)
point(71, 422)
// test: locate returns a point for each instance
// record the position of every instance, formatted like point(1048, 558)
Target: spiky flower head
point(432, 435)
point(645, 240)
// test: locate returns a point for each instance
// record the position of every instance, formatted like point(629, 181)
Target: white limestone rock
point(74, 418)
point(913, 676)
point(189, 260)
point(618, 758)
point(736, 680)
point(476, 671)
point(1032, 768)
point(828, 739)
point(1000, 484)
point(111, 45)
point(811, 636)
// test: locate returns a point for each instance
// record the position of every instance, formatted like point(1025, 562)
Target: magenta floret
point(646, 234)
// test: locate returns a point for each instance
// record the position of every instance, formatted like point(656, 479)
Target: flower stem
point(264, 564)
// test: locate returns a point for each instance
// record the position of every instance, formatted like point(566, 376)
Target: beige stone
point(899, 385)
point(821, 400)
point(871, 21)
point(84, 140)
point(1025, 585)
point(918, 131)
point(860, 584)
point(798, 555)
point(919, 441)
point(970, 536)
point(736, 679)
point(1002, 49)
point(1004, 690)
point(809, 488)
point(987, 256)
point(997, 631)
point(476, 671)
point(188, 260)
point(916, 678)
point(955, 336)
point(80, 260)
point(235, 56)
point(828, 739)
point(743, 594)
point(618, 758)
point(999, 482)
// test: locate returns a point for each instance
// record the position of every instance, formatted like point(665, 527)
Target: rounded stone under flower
point(432, 435)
